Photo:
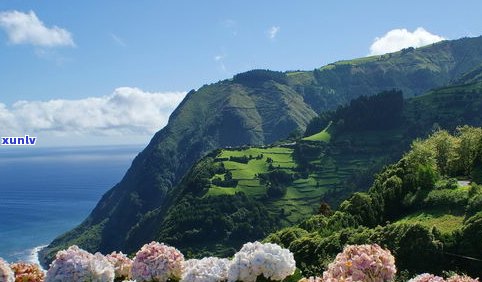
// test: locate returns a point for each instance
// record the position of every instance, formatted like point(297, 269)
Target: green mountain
point(256, 107)
point(234, 195)
point(426, 208)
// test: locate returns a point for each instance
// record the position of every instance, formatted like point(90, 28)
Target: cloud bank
point(127, 111)
point(397, 39)
point(27, 28)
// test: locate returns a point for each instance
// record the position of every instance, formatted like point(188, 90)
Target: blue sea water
point(44, 192)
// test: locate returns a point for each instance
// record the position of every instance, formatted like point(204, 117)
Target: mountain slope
point(287, 182)
point(217, 115)
point(257, 107)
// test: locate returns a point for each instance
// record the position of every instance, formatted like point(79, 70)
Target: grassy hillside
point(322, 136)
point(256, 107)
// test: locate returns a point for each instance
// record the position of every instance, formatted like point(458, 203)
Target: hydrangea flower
point(121, 263)
point(75, 264)
point(6, 273)
point(255, 259)
point(361, 263)
point(157, 262)
point(426, 277)
point(462, 278)
point(27, 272)
point(210, 269)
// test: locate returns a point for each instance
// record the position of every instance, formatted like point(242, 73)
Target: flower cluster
point(425, 277)
point(255, 259)
point(462, 278)
point(209, 269)
point(157, 262)
point(6, 273)
point(362, 263)
point(27, 272)
point(122, 265)
point(75, 264)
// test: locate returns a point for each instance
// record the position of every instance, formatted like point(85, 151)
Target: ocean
point(45, 192)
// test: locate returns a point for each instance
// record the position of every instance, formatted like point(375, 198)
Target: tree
point(444, 146)
point(469, 149)
point(325, 209)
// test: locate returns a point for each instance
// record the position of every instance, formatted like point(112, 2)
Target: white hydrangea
point(255, 259)
point(121, 263)
point(75, 264)
point(6, 273)
point(210, 269)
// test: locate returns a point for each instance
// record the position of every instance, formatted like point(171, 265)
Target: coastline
point(33, 256)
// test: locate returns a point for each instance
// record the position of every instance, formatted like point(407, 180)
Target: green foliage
point(471, 242)
point(469, 149)
point(450, 199)
point(286, 236)
point(379, 112)
point(474, 205)
point(360, 205)
point(229, 219)
point(406, 240)
point(413, 207)
point(255, 78)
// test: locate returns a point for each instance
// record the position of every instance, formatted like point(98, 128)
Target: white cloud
point(273, 31)
point(397, 39)
point(126, 112)
point(26, 28)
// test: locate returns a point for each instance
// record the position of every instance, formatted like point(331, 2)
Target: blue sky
point(124, 53)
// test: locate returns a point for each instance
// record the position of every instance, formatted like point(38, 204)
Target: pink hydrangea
point(256, 259)
point(426, 277)
point(362, 263)
point(157, 262)
point(121, 263)
point(6, 273)
point(75, 264)
point(462, 278)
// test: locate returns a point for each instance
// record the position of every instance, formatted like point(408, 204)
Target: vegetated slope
point(238, 194)
point(215, 116)
point(418, 208)
point(257, 107)
point(413, 71)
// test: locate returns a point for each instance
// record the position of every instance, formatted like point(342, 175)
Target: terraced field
point(303, 196)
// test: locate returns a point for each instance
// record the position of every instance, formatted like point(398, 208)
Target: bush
point(453, 199)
